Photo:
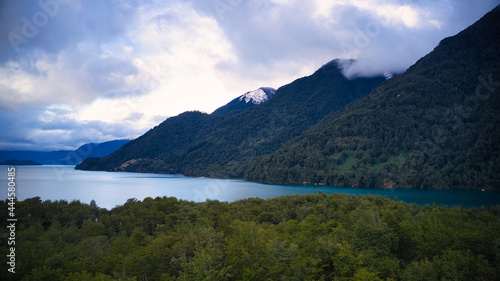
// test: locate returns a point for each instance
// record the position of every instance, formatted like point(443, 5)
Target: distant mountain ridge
point(100, 149)
point(63, 157)
point(216, 145)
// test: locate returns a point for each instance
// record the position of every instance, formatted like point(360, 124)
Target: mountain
point(247, 100)
point(216, 145)
point(147, 153)
point(100, 149)
point(64, 157)
point(435, 126)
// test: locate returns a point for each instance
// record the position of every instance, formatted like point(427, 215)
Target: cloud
point(58, 127)
point(74, 71)
point(383, 35)
point(73, 76)
point(54, 25)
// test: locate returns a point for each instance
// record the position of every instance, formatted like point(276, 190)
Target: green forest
point(298, 237)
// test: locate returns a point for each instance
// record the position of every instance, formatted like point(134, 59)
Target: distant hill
point(435, 126)
point(43, 157)
point(64, 157)
point(16, 162)
point(215, 145)
point(100, 149)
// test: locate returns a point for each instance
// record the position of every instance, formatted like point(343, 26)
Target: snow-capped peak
point(257, 96)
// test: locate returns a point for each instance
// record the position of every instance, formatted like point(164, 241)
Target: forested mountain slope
point(435, 126)
point(216, 145)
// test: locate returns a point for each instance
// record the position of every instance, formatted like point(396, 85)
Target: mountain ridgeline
point(61, 157)
point(217, 145)
point(435, 126)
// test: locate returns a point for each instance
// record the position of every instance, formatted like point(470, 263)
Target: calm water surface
point(112, 189)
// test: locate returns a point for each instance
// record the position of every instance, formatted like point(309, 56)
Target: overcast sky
point(79, 71)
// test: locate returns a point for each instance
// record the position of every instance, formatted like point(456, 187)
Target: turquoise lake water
point(112, 189)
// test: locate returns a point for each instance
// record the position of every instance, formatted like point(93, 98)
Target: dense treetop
point(300, 237)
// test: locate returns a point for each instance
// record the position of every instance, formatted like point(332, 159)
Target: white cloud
point(73, 77)
point(386, 13)
point(176, 52)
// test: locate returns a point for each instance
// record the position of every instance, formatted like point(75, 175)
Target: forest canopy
point(298, 237)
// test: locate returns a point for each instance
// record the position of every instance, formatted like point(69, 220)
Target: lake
point(112, 189)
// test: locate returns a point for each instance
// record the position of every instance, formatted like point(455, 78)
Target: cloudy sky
point(78, 71)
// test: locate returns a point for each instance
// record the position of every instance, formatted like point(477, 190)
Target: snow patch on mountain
point(256, 97)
